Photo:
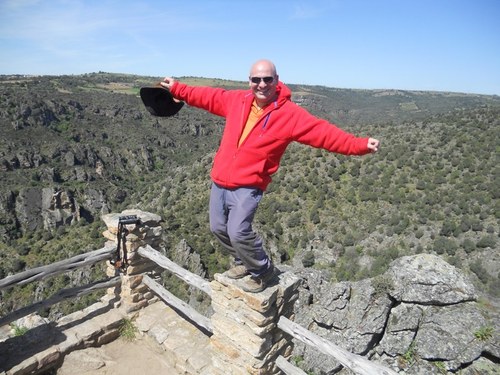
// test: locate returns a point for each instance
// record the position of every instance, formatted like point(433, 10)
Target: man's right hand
point(373, 144)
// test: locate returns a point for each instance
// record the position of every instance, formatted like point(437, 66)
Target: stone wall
point(133, 293)
point(246, 337)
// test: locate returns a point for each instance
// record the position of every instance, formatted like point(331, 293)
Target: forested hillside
point(75, 147)
point(433, 188)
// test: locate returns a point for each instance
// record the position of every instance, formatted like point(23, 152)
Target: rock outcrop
point(35, 208)
point(46, 208)
point(422, 316)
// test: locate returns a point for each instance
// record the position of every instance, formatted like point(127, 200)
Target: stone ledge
point(283, 285)
point(45, 346)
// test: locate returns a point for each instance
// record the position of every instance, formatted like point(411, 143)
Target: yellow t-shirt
point(253, 117)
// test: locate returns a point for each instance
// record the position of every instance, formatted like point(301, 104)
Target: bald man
point(260, 123)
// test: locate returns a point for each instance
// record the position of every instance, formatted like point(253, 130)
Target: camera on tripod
point(120, 260)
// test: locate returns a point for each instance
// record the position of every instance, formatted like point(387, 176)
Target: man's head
point(263, 80)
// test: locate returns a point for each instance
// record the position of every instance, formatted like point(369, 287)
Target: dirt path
point(142, 355)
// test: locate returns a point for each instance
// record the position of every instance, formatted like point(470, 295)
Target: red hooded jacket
point(258, 157)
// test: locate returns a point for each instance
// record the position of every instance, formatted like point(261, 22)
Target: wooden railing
point(170, 299)
point(54, 269)
point(356, 363)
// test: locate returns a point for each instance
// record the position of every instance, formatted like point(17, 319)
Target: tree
point(18, 265)
point(308, 260)
point(480, 271)
point(443, 244)
point(314, 216)
point(468, 245)
point(447, 229)
point(294, 220)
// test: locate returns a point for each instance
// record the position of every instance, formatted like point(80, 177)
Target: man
point(260, 124)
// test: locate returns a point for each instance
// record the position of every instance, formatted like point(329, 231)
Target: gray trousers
point(231, 216)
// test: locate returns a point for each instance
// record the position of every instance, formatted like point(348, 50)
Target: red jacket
point(258, 157)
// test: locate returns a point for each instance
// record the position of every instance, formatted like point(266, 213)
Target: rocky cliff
point(423, 316)
point(86, 138)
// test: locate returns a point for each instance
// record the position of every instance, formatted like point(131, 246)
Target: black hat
point(159, 101)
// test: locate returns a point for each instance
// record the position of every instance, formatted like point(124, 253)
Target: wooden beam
point(59, 296)
point(57, 268)
point(178, 304)
point(358, 364)
point(164, 262)
point(287, 367)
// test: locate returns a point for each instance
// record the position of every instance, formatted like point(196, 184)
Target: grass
point(127, 329)
point(410, 356)
point(19, 330)
point(441, 367)
point(484, 333)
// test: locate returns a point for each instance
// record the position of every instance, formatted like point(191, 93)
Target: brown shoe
point(256, 284)
point(237, 272)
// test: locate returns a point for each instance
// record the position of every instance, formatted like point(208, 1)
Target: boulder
point(422, 311)
point(428, 279)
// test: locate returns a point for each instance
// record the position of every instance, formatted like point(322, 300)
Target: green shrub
point(443, 245)
point(480, 271)
point(382, 285)
point(18, 265)
point(487, 241)
point(308, 260)
point(468, 245)
point(23, 249)
point(494, 287)
point(346, 268)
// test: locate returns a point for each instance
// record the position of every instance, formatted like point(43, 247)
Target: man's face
point(263, 81)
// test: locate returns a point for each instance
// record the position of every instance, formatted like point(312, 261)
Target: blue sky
point(442, 45)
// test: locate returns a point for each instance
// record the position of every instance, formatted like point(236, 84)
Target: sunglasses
point(266, 80)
